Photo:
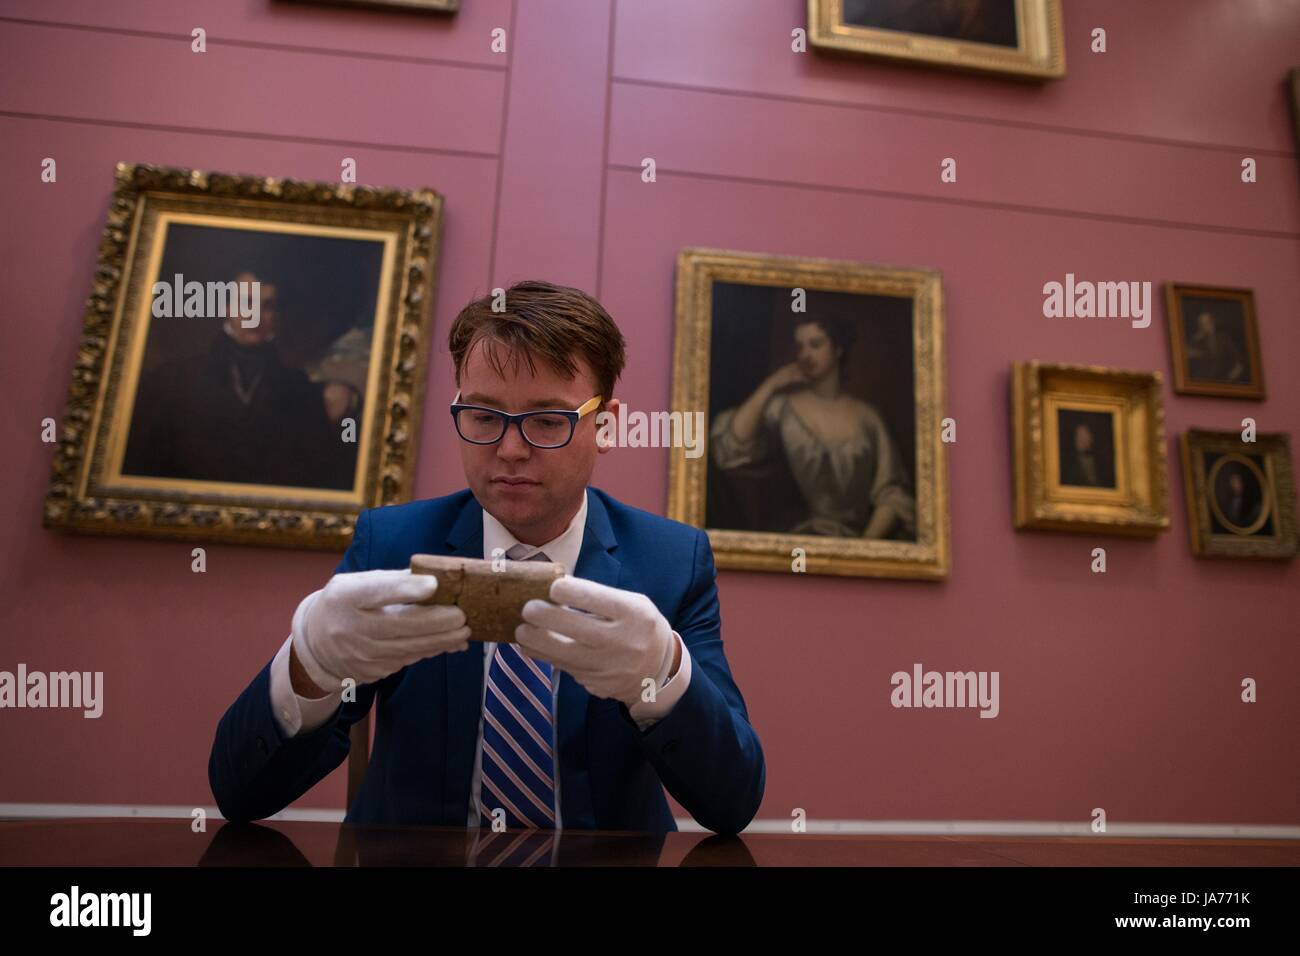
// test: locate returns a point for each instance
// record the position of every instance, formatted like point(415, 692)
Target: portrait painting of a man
point(1241, 500)
point(1086, 448)
point(250, 369)
point(1216, 344)
point(1214, 337)
point(224, 399)
point(1240, 496)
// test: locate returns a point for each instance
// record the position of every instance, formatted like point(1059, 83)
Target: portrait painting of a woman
point(821, 385)
point(849, 471)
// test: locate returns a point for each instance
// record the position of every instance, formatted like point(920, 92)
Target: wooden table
point(172, 842)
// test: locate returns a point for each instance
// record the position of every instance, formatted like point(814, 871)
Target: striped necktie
point(517, 759)
point(523, 848)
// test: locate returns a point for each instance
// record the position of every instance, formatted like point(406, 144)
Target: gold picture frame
point(1022, 40)
point(1089, 449)
point(1232, 369)
point(97, 485)
point(914, 299)
point(1251, 517)
point(1293, 86)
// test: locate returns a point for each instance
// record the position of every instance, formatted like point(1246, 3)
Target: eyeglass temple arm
point(583, 409)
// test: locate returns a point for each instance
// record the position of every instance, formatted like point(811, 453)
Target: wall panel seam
point(220, 40)
point(962, 118)
point(661, 172)
point(247, 134)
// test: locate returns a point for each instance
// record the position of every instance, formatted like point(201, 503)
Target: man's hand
point(368, 624)
point(611, 650)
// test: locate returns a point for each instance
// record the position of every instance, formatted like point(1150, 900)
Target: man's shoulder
point(632, 524)
point(427, 513)
point(387, 536)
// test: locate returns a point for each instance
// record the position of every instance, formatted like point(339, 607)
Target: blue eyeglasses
point(548, 428)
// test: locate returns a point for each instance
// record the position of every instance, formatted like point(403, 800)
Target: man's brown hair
point(546, 321)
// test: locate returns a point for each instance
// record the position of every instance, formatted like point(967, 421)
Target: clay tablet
point(492, 600)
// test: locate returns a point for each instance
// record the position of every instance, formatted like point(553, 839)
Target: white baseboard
point(990, 828)
point(37, 811)
point(1030, 828)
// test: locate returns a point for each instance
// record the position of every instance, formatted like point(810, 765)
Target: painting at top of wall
point(1022, 39)
point(435, 6)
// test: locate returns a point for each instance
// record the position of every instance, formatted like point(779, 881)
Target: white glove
point(366, 625)
point(611, 651)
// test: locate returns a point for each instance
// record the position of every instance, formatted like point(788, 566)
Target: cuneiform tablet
point(492, 594)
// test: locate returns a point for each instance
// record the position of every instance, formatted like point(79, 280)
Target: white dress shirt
point(296, 714)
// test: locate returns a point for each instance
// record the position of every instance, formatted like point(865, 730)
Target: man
point(1242, 504)
point(237, 413)
point(618, 686)
point(1085, 463)
point(1081, 466)
point(1212, 356)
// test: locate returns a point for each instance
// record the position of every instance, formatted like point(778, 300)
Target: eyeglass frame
point(573, 415)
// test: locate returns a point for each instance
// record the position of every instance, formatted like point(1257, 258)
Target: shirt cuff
point(645, 712)
point(293, 713)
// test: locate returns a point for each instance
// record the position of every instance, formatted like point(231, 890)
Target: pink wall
point(1119, 691)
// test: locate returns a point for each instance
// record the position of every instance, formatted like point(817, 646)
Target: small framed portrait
point(432, 6)
point(252, 359)
point(1214, 338)
point(1089, 449)
point(821, 385)
point(1240, 495)
point(1022, 39)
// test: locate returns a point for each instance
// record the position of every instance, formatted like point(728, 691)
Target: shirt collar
point(562, 550)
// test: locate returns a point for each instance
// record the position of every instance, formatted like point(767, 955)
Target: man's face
point(532, 491)
point(1083, 438)
point(264, 331)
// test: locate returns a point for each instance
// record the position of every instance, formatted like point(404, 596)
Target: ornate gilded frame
point(1293, 83)
point(79, 500)
point(1278, 485)
point(1184, 384)
point(1139, 504)
point(929, 557)
point(1040, 56)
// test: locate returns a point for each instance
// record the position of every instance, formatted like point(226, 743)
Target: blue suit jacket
point(612, 776)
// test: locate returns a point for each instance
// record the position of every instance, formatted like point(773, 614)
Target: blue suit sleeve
point(705, 751)
point(254, 770)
